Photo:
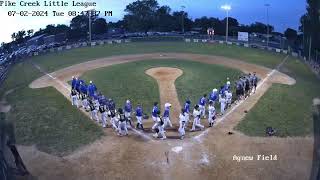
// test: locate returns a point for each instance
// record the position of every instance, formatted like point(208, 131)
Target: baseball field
point(59, 141)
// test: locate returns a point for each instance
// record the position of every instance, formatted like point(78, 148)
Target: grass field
point(43, 117)
point(128, 81)
point(57, 61)
point(286, 108)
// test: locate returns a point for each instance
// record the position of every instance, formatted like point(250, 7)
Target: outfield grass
point(128, 81)
point(55, 61)
point(286, 108)
point(44, 117)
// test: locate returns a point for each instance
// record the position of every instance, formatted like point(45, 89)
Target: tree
point(141, 15)
point(99, 26)
point(259, 27)
point(291, 34)
point(30, 32)
point(164, 20)
point(310, 26)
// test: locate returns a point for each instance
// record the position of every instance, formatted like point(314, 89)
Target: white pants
point(127, 114)
point(182, 131)
point(104, 119)
point(210, 118)
point(139, 119)
point(222, 107)
point(196, 123)
point(74, 100)
point(187, 117)
point(122, 128)
point(85, 104)
point(94, 115)
point(167, 122)
point(114, 122)
point(202, 110)
point(155, 125)
point(161, 131)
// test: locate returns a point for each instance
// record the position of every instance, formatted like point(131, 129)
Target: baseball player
point(223, 103)
point(122, 128)
point(247, 86)
point(254, 82)
point(202, 105)
point(239, 89)
point(103, 112)
point(212, 113)
point(77, 85)
point(166, 115)
point(187, 111)
point(113, 119)
point(214, 95)
point(228, 94)
point(139, 114)
point(155, 115)
point(197, 118)
point(127, 112)
point(74, 98)
point(182, 124)
point(94, 112)
point(91, 89)
point(160, 128)
point(243, 81)
point(74, 82)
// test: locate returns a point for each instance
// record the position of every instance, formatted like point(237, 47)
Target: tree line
point(148, 15)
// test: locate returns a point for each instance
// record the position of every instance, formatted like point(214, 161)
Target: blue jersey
point(166, 112)
point(77, 85)
point(73, 83)
point(139, 111)
point(83, 88)
point(202, 101)
point(127, 107)
point(155, 110)
point(213, 96)
point(227, 87)
point(187, 107)
point(112, 105)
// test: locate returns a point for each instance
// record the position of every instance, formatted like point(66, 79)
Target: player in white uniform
point(104, 115)
point(74, 98)
point(196, 120)
point(223, 103)
point(166, 115)
point(228, 98)
point(182, 124)
point(122, 127)
point(212, 113)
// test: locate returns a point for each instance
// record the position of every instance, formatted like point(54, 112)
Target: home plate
point(177, 149)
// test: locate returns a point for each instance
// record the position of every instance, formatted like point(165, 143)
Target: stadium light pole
point(227, 8)
point(267, 6)
point(89, 11)
point(182, 18)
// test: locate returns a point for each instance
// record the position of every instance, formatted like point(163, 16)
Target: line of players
point(86, 96)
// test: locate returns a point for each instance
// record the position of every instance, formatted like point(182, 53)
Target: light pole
point(227, 8)
point(89, 13)
point(267, 5)
point(182, 19)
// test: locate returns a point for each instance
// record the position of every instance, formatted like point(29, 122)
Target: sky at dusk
point(282, 13)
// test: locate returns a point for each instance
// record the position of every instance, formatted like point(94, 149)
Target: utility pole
point(310, 43)
point(267, 5)
point(89, 13)
point(182, 19)
point(227, 8)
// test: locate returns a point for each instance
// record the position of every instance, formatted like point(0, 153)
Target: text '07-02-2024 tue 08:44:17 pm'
point(84, 4)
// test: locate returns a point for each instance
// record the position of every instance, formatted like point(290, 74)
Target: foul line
point(198, 137)
point(61, 83)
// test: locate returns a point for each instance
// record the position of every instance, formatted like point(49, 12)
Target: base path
point(209, 155)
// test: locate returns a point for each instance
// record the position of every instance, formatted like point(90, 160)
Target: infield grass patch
point(129, 81)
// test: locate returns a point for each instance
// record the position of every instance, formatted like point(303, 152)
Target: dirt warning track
point(209, 155)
